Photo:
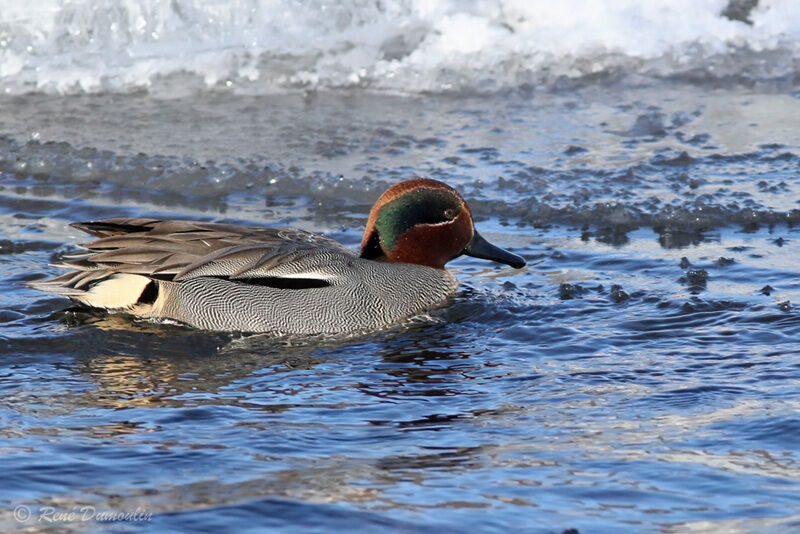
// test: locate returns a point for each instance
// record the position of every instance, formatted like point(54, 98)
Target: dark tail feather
point(112, 227)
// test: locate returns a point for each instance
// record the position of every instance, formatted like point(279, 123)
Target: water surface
point(640, 375)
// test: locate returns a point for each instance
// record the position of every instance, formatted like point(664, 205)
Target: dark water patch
point(700, 396)
point(775, 432)
point(679, 160)
point(569, 291)
point(96, 334)
point(274, 513)
point(18, 247)
point(696, 279)
point(618, 294)
point(648, 125)
point(573, 149)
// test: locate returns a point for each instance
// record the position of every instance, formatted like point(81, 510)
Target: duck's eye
point(449, 213)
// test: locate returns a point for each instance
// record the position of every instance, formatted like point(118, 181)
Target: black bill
point(480, 248)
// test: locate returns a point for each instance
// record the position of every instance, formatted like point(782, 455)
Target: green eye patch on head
point(420, 206)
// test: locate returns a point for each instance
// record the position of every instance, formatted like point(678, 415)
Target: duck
point(231, 278)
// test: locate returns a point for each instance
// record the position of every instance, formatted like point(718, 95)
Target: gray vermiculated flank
point(372, 296)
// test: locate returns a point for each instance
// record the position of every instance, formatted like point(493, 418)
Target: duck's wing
point(179, 250)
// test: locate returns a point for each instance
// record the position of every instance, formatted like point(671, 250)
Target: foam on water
point(406, 46)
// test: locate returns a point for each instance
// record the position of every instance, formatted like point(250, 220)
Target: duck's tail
point(100, 288)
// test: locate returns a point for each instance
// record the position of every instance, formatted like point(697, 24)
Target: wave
point(399, 46)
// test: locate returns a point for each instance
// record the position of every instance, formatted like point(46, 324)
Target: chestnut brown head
point(426, 222)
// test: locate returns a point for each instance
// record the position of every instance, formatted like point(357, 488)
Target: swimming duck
point(226, 277)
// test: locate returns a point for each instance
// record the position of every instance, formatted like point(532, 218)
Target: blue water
point(640, 375)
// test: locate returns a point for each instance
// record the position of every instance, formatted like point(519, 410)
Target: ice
point(398, 46)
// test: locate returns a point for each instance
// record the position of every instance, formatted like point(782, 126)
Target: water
point(640, 375)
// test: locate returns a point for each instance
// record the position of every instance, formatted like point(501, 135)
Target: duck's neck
point(371, 249)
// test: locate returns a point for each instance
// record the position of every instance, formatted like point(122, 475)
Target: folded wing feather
point(180, 250)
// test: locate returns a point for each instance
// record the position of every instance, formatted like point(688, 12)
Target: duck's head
point(426, 222)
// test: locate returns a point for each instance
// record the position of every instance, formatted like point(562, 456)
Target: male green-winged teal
point(235, 278)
